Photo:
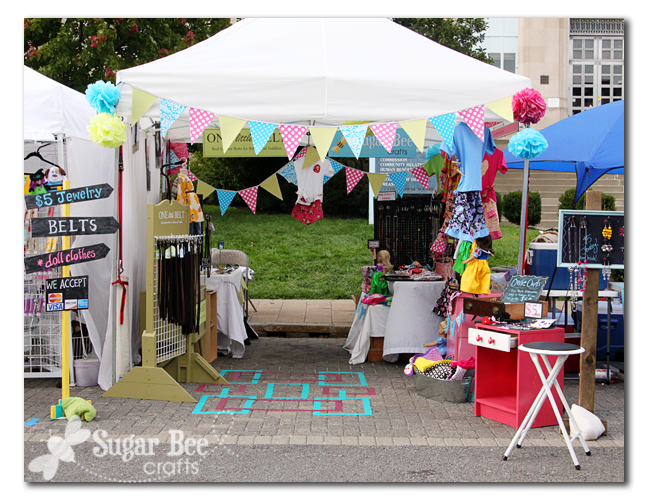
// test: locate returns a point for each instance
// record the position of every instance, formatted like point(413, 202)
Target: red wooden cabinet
point(506, 381)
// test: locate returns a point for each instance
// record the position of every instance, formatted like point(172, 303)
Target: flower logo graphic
point(61, 449)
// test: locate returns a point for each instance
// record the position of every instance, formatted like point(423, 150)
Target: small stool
point(562, 351)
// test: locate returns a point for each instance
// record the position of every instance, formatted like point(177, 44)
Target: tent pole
point(523, 218)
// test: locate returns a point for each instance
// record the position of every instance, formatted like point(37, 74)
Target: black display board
point(71, 226)
point(588, 239)
point(407, 227)
point(523, 288)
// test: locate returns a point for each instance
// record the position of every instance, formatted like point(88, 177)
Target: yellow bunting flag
point(311, 157)
point(376, 181)
point(230, 128)
point(142, 101)
point(503, 107)
point(204, 189)
point(322, 137)
point(416, 131)
point(272, 185)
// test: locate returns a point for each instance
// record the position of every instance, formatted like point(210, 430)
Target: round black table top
point(549, 346)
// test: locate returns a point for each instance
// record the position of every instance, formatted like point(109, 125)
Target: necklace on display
point(582, 241)
point(607, 248)
point(573, 270)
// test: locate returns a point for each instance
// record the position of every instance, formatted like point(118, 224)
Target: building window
point(597, 62)
point(505, 61)
point(544, 79)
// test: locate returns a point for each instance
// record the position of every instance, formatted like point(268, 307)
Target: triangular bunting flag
point(422, 177)
point(352, 178)
point(169, 113)
point(322, 137)
point(272, 185)
point(292, 136)
point(204, 189)
point(288, 172)
point(399, 179)
point(474, 117)
point(311, 157)
point(355, 136)
point(416, 131)
point(445, 125)
point(337, 167)
point(385, 134)
point(198, 122)
point(225, 199)
point(503, 107)
point(142, 101)
point(230, 128)
point(376, 181)
point(261, 132)
point(250, 197)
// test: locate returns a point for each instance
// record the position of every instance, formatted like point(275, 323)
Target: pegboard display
point(407, 227)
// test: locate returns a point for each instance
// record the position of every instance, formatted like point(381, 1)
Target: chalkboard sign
point(580, 237)
point(73, 195)
point(67, 293)
point(523, 288)
point(70, 226)
point(76, 255)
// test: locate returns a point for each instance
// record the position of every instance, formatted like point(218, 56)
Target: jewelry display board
point(595, 239)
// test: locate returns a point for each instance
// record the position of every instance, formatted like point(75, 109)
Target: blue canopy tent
point(591, 143)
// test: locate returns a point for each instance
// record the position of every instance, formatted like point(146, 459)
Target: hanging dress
point(187, 196)
point(491, 165)
point(476, 278)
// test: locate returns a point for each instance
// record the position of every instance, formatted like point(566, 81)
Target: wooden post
point(589, 326)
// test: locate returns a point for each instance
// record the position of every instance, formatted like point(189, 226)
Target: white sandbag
point(590, 426)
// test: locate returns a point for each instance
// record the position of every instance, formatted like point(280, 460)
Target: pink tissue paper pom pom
point(528, 106)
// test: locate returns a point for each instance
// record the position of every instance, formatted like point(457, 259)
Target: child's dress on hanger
point(476, 278)
point(187, 196)
point(310, 187)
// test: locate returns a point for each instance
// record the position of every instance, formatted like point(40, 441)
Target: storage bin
point(86, 372)
point(543, 258)
point(617, 330)
point(444, 391)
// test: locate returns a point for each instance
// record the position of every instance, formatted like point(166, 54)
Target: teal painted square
point(317, 407)
point(322, 380)
point(304, 394)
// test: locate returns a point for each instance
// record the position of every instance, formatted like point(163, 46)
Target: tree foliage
point(460, 34)
point(77, 52)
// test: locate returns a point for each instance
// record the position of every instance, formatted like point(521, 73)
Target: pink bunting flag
point(385, 134)
point(250, 197)
point(474, 117)
point(422, 177)
point(292, 136)
point(352, 177)
point(198, 122)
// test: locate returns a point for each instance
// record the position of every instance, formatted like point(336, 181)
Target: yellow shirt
point(187, 196)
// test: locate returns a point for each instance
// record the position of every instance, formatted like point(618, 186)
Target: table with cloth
point(230, 308)
point(405, 325)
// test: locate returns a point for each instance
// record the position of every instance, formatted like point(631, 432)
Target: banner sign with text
point(242, 145)
point(402, 147)
point(412, 185)
point(67, 293)
point(70, 196)
point(70, 226)
point(45, 262)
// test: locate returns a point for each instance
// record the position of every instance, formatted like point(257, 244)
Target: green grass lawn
point(292, 260)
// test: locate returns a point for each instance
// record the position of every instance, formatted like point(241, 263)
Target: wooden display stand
point(375, 349)
point(208, 344)
point(506, 381)
point(488, 307)
point(153, 380)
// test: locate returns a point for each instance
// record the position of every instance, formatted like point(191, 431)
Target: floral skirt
point(308, 214)
point(468, 221)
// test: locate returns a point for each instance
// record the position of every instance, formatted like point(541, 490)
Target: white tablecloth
point(411, 320)
point(230, 313)
point(368, 321)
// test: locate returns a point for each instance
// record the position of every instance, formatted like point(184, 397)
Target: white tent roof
point(318, 72)
point(51, 108)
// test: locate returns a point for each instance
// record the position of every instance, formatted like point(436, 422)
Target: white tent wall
point(135, 198)
point(53, 111)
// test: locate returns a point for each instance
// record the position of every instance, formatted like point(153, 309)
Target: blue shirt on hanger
point(470, 152)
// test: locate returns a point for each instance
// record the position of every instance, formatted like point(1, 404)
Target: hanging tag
point(181, 251)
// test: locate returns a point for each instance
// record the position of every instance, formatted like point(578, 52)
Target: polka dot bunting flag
point(250, 197)
point(225, 199)
point(292, 136)
point(422, 177)
point(474, 117)
point(198, 122)
point(445, 125)
point(352, 176)
point(399, 179)
point(261, 132)
point(337, 167)
point(385, 134)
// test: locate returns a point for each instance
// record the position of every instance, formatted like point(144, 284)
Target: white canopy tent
point(57, 116)
point(318, 72)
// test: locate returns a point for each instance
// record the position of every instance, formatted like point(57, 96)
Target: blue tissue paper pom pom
point(432, 151)
point(103, 96)
point(528, 143)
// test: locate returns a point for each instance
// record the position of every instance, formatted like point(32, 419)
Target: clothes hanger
point(38, 155)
